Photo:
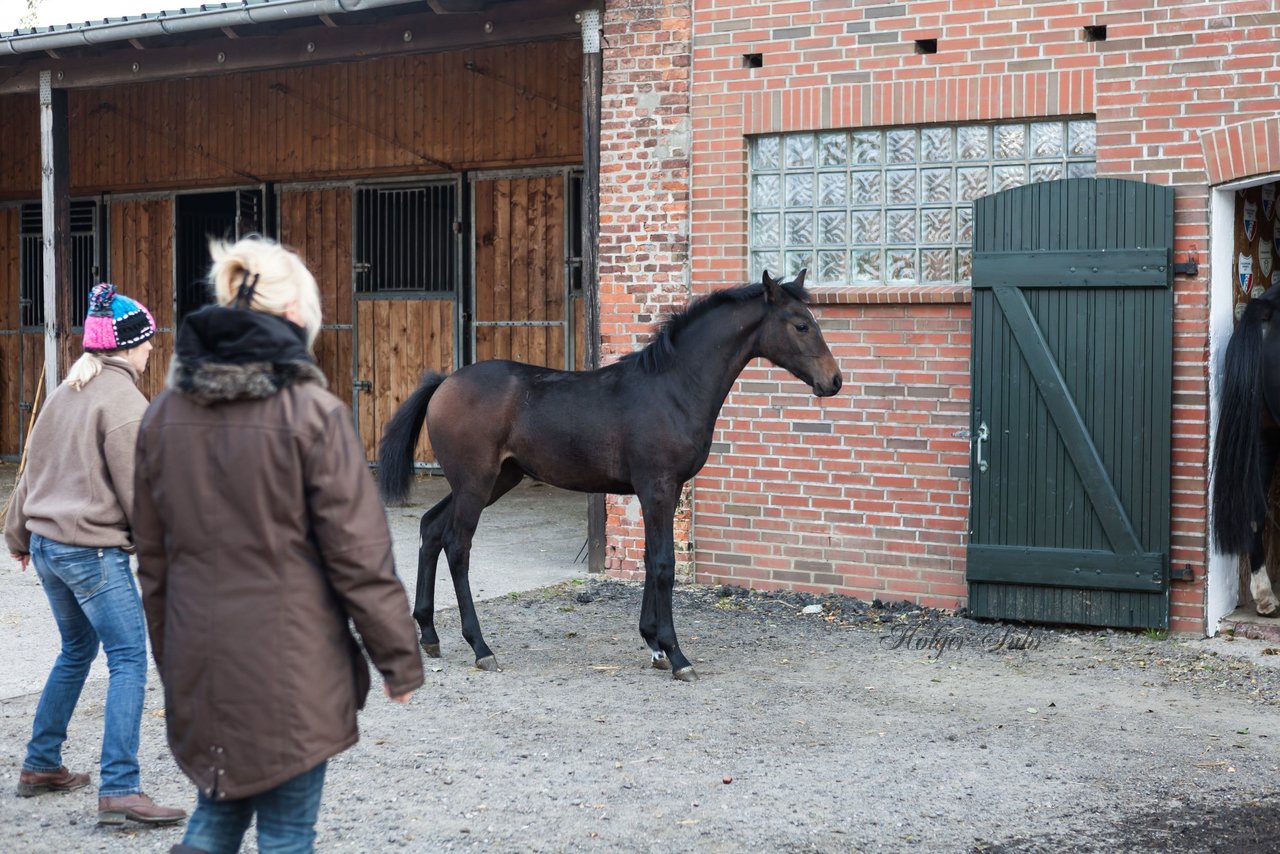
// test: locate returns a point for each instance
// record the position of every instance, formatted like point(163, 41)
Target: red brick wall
point(863, 494)
point(1185, 94)
point(644, 208)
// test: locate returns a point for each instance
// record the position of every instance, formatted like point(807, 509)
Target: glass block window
point(894, 206)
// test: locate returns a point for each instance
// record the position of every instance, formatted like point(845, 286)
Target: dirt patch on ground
point(851, 728)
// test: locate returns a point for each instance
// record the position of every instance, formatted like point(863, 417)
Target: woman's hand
point(22, 559)
point(401, 698)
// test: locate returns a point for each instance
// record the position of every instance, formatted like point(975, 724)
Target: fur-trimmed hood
point(229, 354)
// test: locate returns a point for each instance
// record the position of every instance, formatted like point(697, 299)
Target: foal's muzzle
point(829, 387)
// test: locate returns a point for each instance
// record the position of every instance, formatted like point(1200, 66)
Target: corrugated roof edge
point(210, 16)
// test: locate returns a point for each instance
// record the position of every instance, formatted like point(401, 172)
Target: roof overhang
point(261, 34)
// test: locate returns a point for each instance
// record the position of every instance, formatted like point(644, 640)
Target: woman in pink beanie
point(70, 516)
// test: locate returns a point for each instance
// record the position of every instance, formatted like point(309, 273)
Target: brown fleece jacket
point(77, 488)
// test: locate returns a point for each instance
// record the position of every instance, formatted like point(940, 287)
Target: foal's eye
point(802, 327)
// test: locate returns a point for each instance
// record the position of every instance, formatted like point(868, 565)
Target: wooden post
point(55, 197)
point(592, 76)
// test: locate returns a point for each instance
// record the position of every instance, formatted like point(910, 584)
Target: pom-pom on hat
point(115, 322)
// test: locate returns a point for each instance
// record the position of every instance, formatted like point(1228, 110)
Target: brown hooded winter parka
point(259, 533)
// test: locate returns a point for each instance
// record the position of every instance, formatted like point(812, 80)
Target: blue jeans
point(94, 600)
point(286, 818)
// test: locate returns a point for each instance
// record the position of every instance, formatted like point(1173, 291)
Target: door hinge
point(1188, 268)
point(362, 385)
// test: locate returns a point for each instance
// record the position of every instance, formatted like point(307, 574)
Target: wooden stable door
point(520, 304)
point(398, 340)
point(406, 265)
point(1072, 366)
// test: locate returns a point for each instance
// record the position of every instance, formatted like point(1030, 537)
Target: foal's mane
point(660, 353)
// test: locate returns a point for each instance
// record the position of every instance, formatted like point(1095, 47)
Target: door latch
point(363, 385)
point(983, 435)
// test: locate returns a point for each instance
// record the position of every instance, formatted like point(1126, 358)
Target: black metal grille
point(86, 265)
point(573, 227)
point(249, 214)
point(227, 215)
point(200, 216)
point(405, 239)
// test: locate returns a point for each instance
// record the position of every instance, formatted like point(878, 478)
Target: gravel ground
point(861, 727)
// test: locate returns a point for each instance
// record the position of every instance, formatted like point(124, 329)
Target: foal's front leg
point(657, 626)
point(649, 620)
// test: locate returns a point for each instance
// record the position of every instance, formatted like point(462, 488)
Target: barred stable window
point(87, 265)
point(894, 206)
point(405, 240)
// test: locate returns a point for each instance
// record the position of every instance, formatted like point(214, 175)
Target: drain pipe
point(183, 21)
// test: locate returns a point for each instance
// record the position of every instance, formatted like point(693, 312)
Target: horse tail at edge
point(1239, 498)
point(395, 451)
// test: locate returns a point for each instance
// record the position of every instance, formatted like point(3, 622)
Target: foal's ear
point(772, 288)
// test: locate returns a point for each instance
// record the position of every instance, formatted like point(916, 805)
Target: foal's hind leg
point(430, 542)
point(469, 502)
point(1264, 598)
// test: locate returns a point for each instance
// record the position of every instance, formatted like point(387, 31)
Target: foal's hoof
point(686, 674)
point(489, 663)
point(431, 649)
point(1268, 608)
point(663, 663)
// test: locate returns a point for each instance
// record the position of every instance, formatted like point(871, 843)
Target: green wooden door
point(1071, 382)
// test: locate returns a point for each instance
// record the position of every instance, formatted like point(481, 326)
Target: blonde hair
point(88, 366)
point(277, 276)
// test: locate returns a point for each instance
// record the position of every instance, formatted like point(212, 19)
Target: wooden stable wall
point(519, 240)
point(317, 131)
point(142, 268)
point(11, 342)
point(316, 223)
point(432, 113)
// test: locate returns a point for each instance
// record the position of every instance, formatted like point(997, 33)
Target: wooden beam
point(592, 81)
point(457, 7)
point(408, 34)
point(55, 193)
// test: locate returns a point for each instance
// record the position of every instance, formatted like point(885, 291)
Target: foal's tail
point(1239, 497)
point(395, 452)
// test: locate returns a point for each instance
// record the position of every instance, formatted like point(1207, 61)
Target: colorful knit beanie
point(115, 322)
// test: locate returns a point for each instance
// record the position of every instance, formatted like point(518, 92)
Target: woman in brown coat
point(259, 534)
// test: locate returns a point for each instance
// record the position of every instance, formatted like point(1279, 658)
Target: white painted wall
point(1222, 584)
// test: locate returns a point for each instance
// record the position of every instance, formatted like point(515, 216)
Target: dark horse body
point(1248, 442)
point(642, 426)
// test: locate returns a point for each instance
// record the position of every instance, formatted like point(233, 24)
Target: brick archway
point(1240, 150)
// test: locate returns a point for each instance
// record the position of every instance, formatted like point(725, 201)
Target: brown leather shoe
point(139, 808)
point(32, 783)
